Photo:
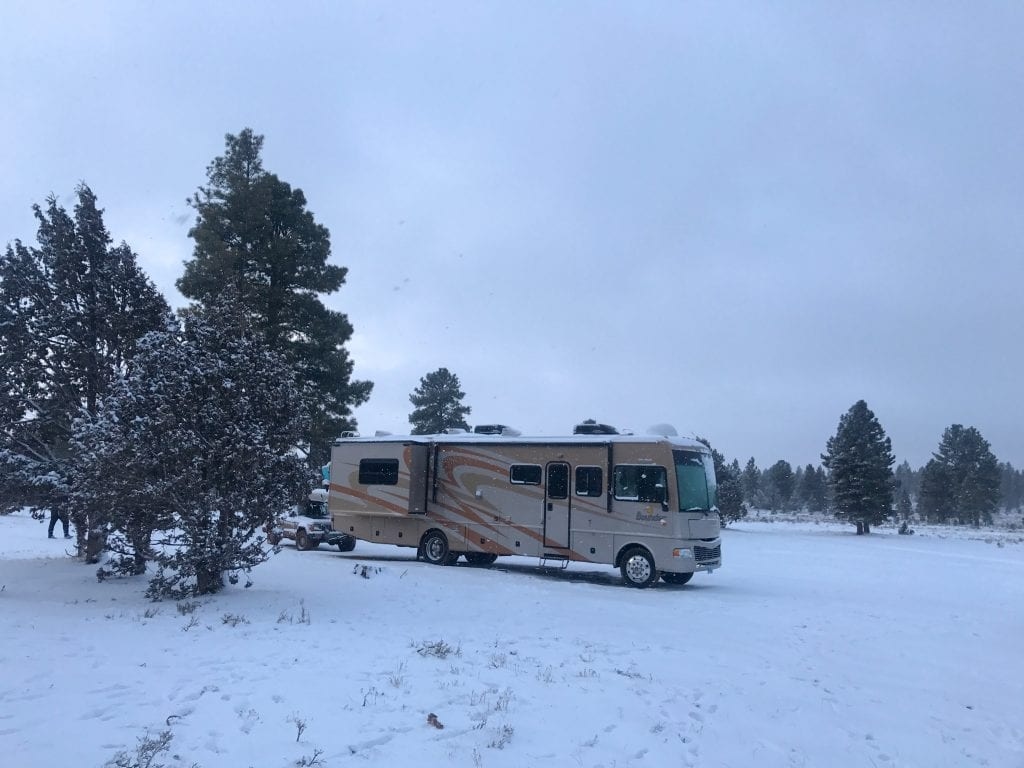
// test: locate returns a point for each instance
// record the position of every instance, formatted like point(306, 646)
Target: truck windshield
point(695, 479)
point(316, 509)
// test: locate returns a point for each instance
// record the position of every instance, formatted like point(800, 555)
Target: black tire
point(676, 579)
point(480, 559)
point(302, 540)
point(346, 543)
point(434, 549)
point(273, 539)
point(637, 568)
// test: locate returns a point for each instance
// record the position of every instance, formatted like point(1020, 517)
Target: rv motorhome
point(645, 504)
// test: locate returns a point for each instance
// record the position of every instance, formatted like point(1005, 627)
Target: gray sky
point(738, 218)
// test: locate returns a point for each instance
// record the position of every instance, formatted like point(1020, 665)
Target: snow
point(810, 647)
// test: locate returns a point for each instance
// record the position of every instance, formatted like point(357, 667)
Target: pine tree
point(859, 459)
point(812, 488)
point(71, 312)
point(935, 502)
point(963, 478)
point(730, 489)
point(779, 482)
point(751, 482)
point(438, 404)
point(253, 232)
point(192, 452)
point(1011, 487)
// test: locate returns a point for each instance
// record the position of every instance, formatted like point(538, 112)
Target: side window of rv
point(588, 481)
point(378, 471)
point(646, 483)
point(524, 474)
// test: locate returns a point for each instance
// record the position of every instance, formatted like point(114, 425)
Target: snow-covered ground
point(810, 647)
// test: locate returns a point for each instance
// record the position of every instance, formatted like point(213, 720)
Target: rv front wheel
point(434, 548)
point(638, 568)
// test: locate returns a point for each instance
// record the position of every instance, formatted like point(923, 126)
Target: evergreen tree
point(904, 507)
point(192, 452)
point(71, 312)
point(253, 232)
point(751, 482)
point(779, 484)
point(730, 488)
point(859, 459)
point(1011, 487)
point(935, 502)
point(963, 479)
point(907, 479)
point(438, 404)
point(812, 489)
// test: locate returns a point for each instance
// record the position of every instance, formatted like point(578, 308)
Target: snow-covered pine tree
point(812, 488)
point(751, 482)
point(438, 404)
point(779, 483)
point(71, 311)
point(253, 232)
point(730, 491)
point(962, 480)
point(859, 460)
point(194, 451)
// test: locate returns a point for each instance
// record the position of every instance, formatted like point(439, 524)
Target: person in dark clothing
point(54, 517)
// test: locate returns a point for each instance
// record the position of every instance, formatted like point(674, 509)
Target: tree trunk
point(860, 528)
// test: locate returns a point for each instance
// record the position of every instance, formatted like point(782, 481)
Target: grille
point(707, 554)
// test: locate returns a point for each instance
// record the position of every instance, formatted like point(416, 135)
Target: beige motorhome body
point(645, 504)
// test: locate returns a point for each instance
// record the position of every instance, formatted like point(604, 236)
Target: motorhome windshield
point(695, 478)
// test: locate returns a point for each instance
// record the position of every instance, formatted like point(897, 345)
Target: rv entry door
point(556, 505)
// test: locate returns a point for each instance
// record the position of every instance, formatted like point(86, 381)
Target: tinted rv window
point(588, 481)
point(378, 472)
point(558, 480)
point(640, 483)
point(524, 474)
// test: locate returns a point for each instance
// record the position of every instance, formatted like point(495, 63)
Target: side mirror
point(662, 496)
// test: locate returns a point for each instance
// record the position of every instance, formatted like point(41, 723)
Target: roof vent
point(591, 427)
point(494, 429)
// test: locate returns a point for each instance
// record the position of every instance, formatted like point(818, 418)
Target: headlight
point(682, 553)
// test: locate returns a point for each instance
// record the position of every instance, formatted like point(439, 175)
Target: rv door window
point(558, 480)
point(524, 474)
point(640, 482)
point(378, 472)
point(588, 481)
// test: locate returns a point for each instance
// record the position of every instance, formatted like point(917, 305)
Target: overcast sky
point(738, 218)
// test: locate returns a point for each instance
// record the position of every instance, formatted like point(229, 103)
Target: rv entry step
point(553, 560)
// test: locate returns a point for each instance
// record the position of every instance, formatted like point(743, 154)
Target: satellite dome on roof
point(665, 430)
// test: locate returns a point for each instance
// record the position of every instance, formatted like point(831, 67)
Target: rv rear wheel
point(676, 578)
point(434, 549)
point(480, 559)
point(302, 540)
point(638, 568)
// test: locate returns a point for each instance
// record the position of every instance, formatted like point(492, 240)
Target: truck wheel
point(434, 548)
point(678, 579)
point(638, 568)
point(302, 540)
point(480, 559)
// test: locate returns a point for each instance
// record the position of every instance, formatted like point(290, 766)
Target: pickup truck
point(309, 526)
